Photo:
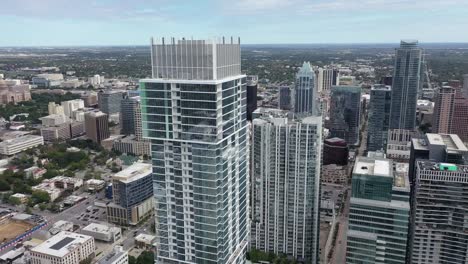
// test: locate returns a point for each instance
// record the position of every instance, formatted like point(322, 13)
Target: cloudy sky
point(133, 22)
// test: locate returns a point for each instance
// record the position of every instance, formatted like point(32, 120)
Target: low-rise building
point(131, 145)
point(60, 226)
point(117, 256)
point(335, 174)
point(145, 241)
point(17, 145)
point(103, 232)
point(64, 248)
point(23, 198)
point(49, 188)
point(93, 185)
point(54, 119)
point(54, 133)
point(67, 183)
point(34, 172)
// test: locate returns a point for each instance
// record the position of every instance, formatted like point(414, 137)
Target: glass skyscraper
point(379, 212)
point(194, 113)
point(305, 99)
point(345, 113)
point(379, 117)
point(405, 85)
point(286, 158)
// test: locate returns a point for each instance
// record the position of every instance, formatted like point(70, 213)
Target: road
point(339, 253)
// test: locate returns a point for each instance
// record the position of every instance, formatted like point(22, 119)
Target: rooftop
point(440, 166)
point(113, 256)
point(61, 244)
point(133, 172)
point(400, 179)
point(381, 87)
point(452, 142)
point(98, 228)
point(21, 139)
point(147, 239)
point(377, 167)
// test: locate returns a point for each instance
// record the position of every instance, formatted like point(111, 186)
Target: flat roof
point(134, 172)
point(370, 166)
point(99, 228)
point(61, 244)
point(441, 166)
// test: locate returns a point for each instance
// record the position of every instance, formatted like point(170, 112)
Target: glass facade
point(379, 118)
point(199, 141)
point(345, 110)
point(305, 98)
point(405, 85)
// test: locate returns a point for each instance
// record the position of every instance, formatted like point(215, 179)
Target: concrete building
point(405, 85)
point(95, 185)
point(23, 198)
point(66, 183)
point(117, 256)
point(47, 80)
point(97, 126)
point(131, 145)
point(13, 94)
point(465, 86)
point(96, 80)
point(19, 144)
point(335, 174)
point(132, 195)
point(130, 107)
point(60, 226)
point(252, 87)
point(71, 106)
point(444, 108)
point(109, 101)
point(77, 129)
point(439, 148)
point(440, 233)
point(90, 99)
point(335, 151)
point(54, 119)
point(64, 248)
point(286, 157)
point(56, 133)
point(398, 144)
point(305, 100)
point(191, 144)
point(379, 117)
point(379, 212)
point(345, 113)
point(55, 109)
point(459, 119)
point(103, 232)
point(145, 241)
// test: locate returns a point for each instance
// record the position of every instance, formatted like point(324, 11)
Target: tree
point(42, 206)
point(4, 186)
point(14, 200)
point(40, 197)
point(146, 257)
point(132, 260)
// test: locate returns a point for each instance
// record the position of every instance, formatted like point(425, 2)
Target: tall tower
point(286, 158)
point(305, 94)
point(345, 113)
point(379, 117)
point(406, 75)
point(444, 108)
point(194, 113)
point(97, 126)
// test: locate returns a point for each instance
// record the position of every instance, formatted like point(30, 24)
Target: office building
point(196, 120)
point(399, 144)
point(64, 248)
point(54, 120)
point(286, 157)
point(19, 144)
point(97, 126)
point(109, 101)
point(439, 148)
point(56, 133)
point(335, 151)
point(117, 256)
point(130, 145)
point(440, 233)
point(54, 109)
point(379, 117)
point(285, 98)
point(96, 80)
point(405, 85)
point(128, 112)
point(459, 119)
point(465, 86)
point(71, 106)
point(335, 77)
point(345, 113)
point(379, 212)
point(89, 98)
point(325, 79)
point(444, 108)
point(132, 195)
point(102, 232)
point(305, 91)
point(47, 80)
point(252, 87)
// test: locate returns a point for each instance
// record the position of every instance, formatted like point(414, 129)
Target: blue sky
point(133, 22)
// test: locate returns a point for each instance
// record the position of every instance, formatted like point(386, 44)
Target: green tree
point(14, 200)
point(40, 197)
point(146, 257)
point(132, 260)
point(4, 185)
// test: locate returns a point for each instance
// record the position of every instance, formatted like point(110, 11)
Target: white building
point(103, 232)
point(54, 108)
point(64, 248)
point(60, 226)
point(117, 256)
point(95, 185)
point(16, 145)
point(96, 80)
point(54, 120)
point(71, 106)
point(49, 188)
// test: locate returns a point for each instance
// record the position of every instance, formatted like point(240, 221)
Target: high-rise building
point(465, 86)
point(379, 212)
point(97, 126)
point(128, 112)
point(194, 113)
point(335, 77)
point(286, 157)
point(54, 109)
point(440, 232)
point(132, 199)
point(405, 85)
point(327, 79)
point(335, 151)
point(379, 117)
point(252, 86)
point(460, 114)
point(109, 101)
point(443, 110)
point(284, 98)
point(399, 144)
point(345, 111)
point(71, 106)
point(305, 92)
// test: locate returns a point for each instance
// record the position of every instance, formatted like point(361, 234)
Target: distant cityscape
point(209, 151)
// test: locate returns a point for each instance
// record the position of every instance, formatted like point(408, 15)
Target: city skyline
point(99, 22)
